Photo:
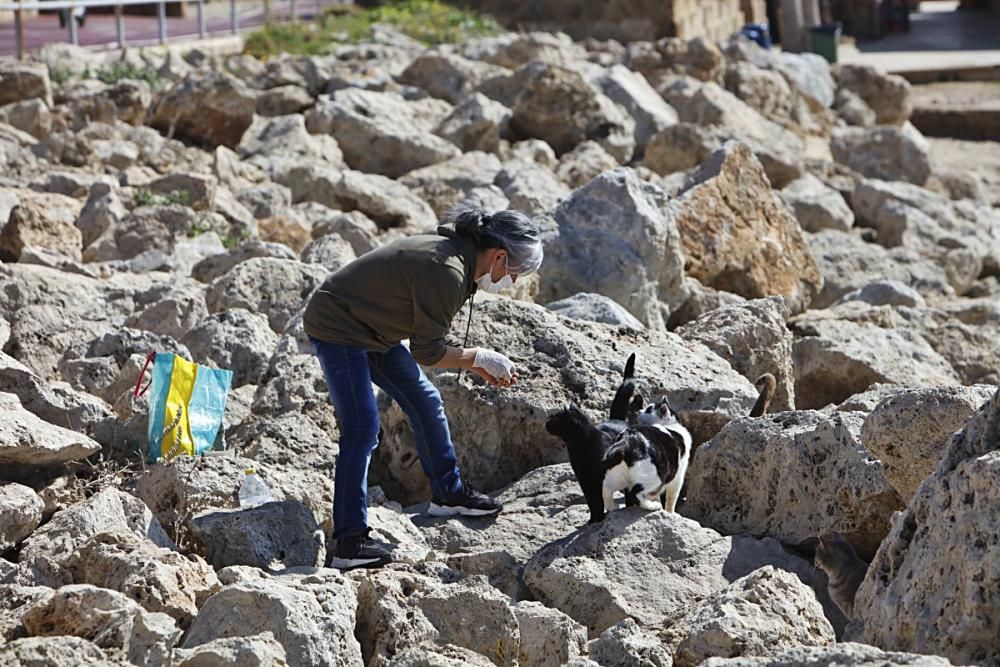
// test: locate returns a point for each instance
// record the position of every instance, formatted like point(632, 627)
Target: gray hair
point(513, 231)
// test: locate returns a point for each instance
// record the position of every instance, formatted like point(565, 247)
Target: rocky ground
point(720, 210)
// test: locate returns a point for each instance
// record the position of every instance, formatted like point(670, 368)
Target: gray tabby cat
point(844, 570)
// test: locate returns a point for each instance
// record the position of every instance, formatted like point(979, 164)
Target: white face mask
point(487, 284)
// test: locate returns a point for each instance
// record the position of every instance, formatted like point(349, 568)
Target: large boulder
point(631, 90)
point(41, 220)
point(539, 508)
point(910, 430)
point(530, 187)
point(26, 440)
point(159, 579)
point(837, 358)
point(448, 76)
point(311, 616)
point(49, 548)
point(236, 339)
point(475, 124)
point(261, 650)
point(848, 653)
point(274, 535)
point(212, 107)
point(274, 140)
point(817, 206)
point(53, 652)
point(736, 236)
point(558, 105)
point(753, 338)
point(386, 201)
point(20, 513)
point(274, 287)
point(649, 566)
point(593, 307)
point(500, 434)
point(888, 95)
point(448, 183)
point(585, 162)
point(580, 258)
point(930, 588)
point(378, 133)
point(888, 153)
point(549, 638)
point(848, 263)
point(763, 613)
point(761, 477)
point(626, 644)
point(24, 81)
point(125, 631)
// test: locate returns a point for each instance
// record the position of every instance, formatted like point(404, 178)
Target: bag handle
point(136, 393)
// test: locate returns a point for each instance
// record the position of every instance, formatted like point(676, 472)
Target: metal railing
point(21, 6)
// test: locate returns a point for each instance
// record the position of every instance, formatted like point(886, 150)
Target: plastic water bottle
point(253, 491)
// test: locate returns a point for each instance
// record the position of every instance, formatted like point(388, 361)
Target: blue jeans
point(349, 373)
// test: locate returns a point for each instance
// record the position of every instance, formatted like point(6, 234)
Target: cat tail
point(623, 397)
point(614, 455)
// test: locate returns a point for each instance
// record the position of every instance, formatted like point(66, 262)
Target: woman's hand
point(494, 367)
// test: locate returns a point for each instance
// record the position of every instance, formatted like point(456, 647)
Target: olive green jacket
point(411, 289)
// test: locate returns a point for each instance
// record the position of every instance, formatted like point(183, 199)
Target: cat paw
point(650, 505)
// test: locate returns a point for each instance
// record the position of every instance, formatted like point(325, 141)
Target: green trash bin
point(824, 40)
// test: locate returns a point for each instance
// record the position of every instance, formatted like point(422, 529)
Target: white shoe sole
point(352, 563)
point(454, 510)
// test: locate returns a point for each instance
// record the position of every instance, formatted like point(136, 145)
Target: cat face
point(658, 413)
point(833, 550)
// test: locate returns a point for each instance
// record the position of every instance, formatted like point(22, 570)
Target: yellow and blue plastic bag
point(186, 405)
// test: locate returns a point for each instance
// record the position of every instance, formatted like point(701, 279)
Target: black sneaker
point(358, 551)
point(467, 502)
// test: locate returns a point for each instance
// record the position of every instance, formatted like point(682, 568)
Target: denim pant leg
point(396, 373)
point(349, 382)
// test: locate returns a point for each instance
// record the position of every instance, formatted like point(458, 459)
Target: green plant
point(60, 76)
point(177, 198)
point(144, 197)
point(430, 21)
point(233, 239)
point(118, 71)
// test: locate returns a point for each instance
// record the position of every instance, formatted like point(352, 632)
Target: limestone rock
point(935, 567)
point(760, 477)
point(235, 339)
point(378, 133)
point(670, 57)
point(311, 616)
point(20, 513)
point(475, 124)
point(27, 440)
point(888, 153)
point(270, 140)
point(549, 638)
point(531, 187)
point(849, 653)
point(754, 339)
point(214, 266)
point(650, 566)
point(31, 116)
point(625, 644)
point(43, 220)
point(24, 81)
point(261, 650)
point(157, 578)
point(888, 95)
point(909, 430)
point(198, 190)
point(389, 203)
point(109, 619)
point(330, 251)
point(594, 308)
point(630, 90)
point(816, 206)
point(559, 106)
point(274, 287)
point(275, 535)
point(446, 184)
point(835, 358)
point(583, 163)
point(448, 76)
point(848, 263)
point(108, 511)
point(214, 108)
point(53, 652)
point(736, 236)
point(885, 293)
point(283, 100)
point(578, 260)
point(766, 612)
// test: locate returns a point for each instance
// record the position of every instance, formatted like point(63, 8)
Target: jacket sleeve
point(438, 295)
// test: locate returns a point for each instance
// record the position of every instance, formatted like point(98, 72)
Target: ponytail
point(513, 231)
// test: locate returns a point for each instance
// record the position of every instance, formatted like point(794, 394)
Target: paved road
point(99, 29)
point(939, 38)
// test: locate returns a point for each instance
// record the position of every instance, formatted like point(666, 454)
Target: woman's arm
point(457, 357)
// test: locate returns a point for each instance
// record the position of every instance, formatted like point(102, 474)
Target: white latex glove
point(494, 363)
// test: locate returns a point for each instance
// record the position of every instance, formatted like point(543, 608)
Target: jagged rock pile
point(721, 210)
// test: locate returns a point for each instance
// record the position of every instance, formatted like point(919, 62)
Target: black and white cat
point(649, 459)
point(633, 442)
